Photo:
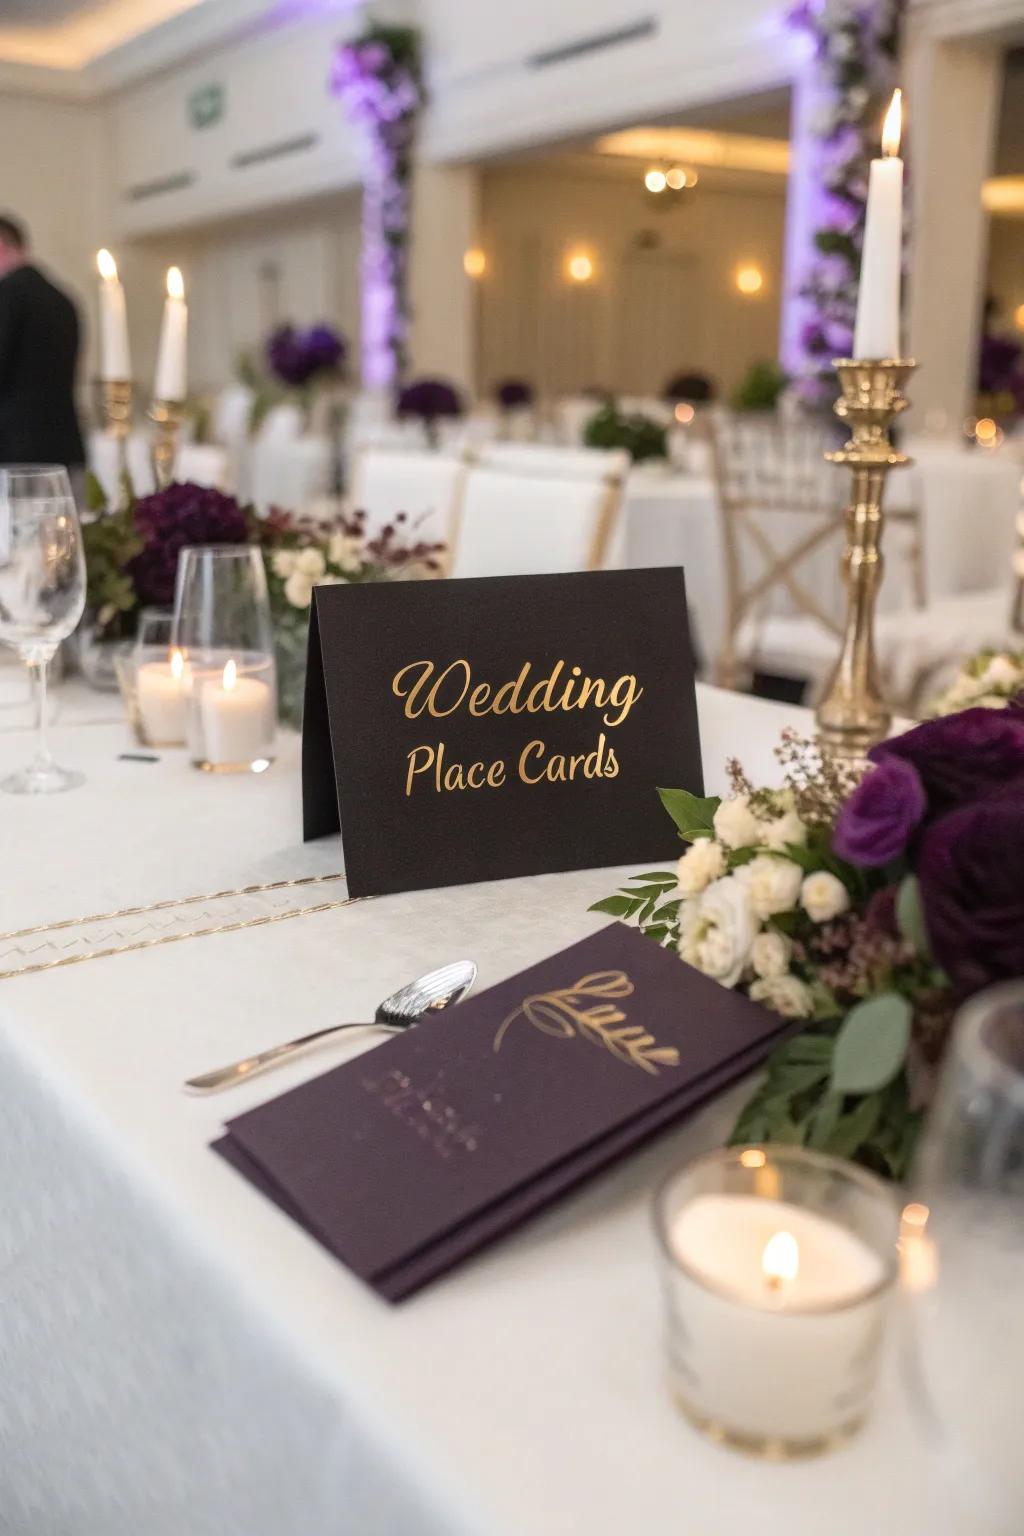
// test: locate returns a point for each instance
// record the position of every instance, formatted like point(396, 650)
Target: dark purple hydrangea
point(512, 394)
point(296, 357)
point(169, 521)
point(999, 365)
point(429, 399)
point(962, 757)
point(877, 822)
point(972, 892)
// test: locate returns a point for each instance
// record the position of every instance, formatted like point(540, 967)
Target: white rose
point(992, 701)
point(778, 834)
point(783, 994)
point(702, 862)
point(298, 589)
point(717, 929)
point(346, 550)
point(823, 897)
point(773, 884)
point(311, 562)
point(283, 562)
point(1000, 672)
point(770, 954)
point(735, 823)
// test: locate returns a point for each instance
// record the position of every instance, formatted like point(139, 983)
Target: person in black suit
point(38, 357)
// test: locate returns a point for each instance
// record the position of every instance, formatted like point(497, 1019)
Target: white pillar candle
point(236, 719)
point(877, 333)
point(172, 359)
point(115, 360)
point(780, 1313)
point(160, 693)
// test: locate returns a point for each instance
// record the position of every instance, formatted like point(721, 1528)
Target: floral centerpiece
point(304, 366)
point(1000, 377)
point(429, 401)
point(514, 395)
point(301, 554)
point(641, 436)
point(866, 910)
point(990, 679)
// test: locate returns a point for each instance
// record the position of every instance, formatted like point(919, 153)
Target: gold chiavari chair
point(780, 504)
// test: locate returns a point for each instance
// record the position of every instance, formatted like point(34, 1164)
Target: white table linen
point(177, 1356)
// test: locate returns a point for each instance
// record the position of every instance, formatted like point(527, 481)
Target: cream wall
point(648, 312)
point(244, 276)
point(53, 179)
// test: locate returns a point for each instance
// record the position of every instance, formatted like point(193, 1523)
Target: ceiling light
point(655, 181)
point(749, 280)
point(474, 262)
point(580, 267)
point(676, 178)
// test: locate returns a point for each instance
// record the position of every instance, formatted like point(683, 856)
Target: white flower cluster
point(303, 569)
point(988, 681)
point(725, 920)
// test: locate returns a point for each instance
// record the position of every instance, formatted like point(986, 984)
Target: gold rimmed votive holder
point(853, 714)
point(778, 1265)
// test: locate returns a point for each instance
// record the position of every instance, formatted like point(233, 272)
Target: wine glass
point(42, 593)
point(963, 1263)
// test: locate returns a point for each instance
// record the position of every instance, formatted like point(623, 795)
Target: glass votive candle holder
point(153, 678)
point(222, 627)
point(778, 1267)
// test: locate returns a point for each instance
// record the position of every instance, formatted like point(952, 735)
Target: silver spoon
point(404, 1008)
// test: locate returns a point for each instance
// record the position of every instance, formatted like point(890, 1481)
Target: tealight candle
point(777, 1274)
point(236, 715)
point(160, 692)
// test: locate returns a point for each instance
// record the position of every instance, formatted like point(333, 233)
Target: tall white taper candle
point(877, 333)
point(115, 360)
point(171, 364)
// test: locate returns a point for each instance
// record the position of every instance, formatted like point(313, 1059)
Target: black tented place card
point(498, 726)
point(409, 1159)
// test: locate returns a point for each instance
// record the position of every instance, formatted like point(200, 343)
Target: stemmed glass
point(963, 1264)
point(42, 593)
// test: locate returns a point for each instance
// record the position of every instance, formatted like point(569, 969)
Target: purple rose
point(962, 757)
point(971, 869)
point(296, 357)
point(169, 520)
point(513, 394)
point(878, 821)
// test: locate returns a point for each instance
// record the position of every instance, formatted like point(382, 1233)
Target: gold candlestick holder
point(853, 715)
point(167, 416)
point(116, 404)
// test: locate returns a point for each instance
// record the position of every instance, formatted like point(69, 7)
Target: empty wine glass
point(963, 1264)
point(42, 593)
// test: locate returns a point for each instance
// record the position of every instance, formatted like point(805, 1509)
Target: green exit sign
point(206, 106)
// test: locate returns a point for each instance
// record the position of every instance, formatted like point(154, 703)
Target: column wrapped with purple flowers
point(378, 76)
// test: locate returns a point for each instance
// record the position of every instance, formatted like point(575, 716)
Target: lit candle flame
point(106, 265)
point(230, 676)
point(175, 283)
point(893, 125)
point(177, 665)
point(781, 1259)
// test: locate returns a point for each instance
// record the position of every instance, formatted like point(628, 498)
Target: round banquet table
point(968, 501)
point(177, 1356)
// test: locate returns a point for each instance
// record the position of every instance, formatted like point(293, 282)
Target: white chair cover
point(282, 424)
point(556, 463)
point(232, 410)
point(289, 474)
point(513, 525)
point(425, 486)
point(571, 416)
point(203, 464)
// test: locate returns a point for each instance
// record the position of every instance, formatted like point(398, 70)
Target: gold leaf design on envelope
point(580, 1011)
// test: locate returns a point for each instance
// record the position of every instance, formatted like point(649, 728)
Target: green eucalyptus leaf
point(851, 1131)
point(656, 877)
point(910, 916)
point(614, 906)
point(692, 814)
point(871, 1045)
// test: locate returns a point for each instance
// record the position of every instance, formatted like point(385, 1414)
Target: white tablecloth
point(968, 501)
point(176, 1356)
